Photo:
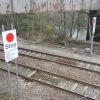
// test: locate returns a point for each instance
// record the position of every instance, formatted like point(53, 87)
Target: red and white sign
point(10, 45)
point(94, 24)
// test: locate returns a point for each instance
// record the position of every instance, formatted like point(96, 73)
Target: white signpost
point(92, 36)
point(10, 45)
point(94, 24)
point(11, 51)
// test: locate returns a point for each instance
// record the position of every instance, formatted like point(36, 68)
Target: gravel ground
point(36, 91)
point(32, 90)
point(60, 50)
point(62, 70)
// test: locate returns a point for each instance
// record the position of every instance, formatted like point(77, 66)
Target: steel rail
point(59, 56)
point(54, 86)
point(58, 75)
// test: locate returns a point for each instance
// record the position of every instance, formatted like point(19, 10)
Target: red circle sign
point(10, 37)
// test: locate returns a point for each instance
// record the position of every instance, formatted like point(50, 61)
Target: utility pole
point(47, 12)
point(98, 4)
point(12, 8)
point(12, 11)
point(63, 17)
point(64, 14)
point(72, 14)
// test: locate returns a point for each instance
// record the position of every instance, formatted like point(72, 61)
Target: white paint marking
point(74, 87)
point(81, 64)
point(88, 66)
point(85, 88)
point(96, 68)
point(27, 84)
point(32, 73)
point(55, 77)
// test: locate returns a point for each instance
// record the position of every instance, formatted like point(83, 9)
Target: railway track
point(77, 86)
point(85, 65)
point(82, 72)
point(84, 90)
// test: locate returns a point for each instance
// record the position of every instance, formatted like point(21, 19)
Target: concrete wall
point(5, 6)
point(25, 6)
point(21, 6)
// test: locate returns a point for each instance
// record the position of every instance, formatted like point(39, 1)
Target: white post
point(12, 27)
point(92, 36)
point(92, 39)
point(9, 77)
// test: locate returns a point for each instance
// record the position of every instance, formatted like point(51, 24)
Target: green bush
point(48, 29)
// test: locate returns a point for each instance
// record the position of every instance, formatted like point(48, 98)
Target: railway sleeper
point(76, 63)
point(65, 84)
